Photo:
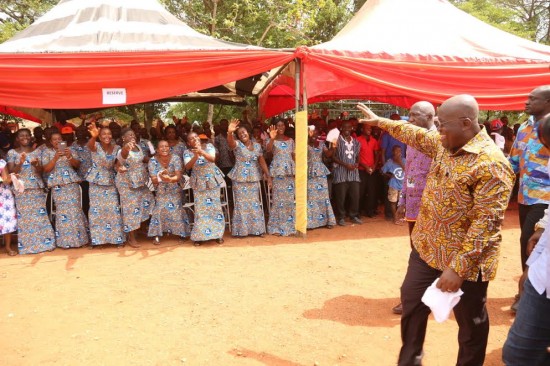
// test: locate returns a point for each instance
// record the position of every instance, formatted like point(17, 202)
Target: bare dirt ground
point(324, 300)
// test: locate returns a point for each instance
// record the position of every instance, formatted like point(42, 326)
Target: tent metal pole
point(301, 170)
point(298, 81)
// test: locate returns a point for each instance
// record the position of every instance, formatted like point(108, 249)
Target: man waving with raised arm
point(456, 238)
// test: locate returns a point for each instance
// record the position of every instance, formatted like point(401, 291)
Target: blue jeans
point(529, 336)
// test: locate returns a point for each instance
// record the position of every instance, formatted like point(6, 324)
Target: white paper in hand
point(440, 303)
point(333, 135)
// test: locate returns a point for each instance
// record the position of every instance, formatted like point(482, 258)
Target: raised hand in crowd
point(370, 116)
point(273, 132)
point(129, 146)
point(233, 126)
point(94, 131)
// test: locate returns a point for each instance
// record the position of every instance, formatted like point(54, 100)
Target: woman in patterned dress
point(8, 216)
point(176, 146)
point(206, 180)
point(282, 216)
point(35, 232)
point(59, 167)
point(248, 215)
point(104, 215)
point(169, 216)
point(319, 209)
point(136, 199)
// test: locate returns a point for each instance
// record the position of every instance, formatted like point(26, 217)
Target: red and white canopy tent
point(400, 52)
point(67, 57)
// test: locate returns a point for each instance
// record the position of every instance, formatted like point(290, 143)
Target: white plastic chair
point(266, 190)
point(188, 199)
point(224, 199)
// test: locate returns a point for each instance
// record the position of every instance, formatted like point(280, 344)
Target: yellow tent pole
point(301, 155)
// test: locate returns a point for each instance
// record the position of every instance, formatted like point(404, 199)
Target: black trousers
point(367, 192)
point(85, 187)
point(470, 313)
point(411, 228)
point(529, 215)
point(346, 192)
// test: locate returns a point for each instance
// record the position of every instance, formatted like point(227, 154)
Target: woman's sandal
point(219, 240)
point(156, 240)
point(12, 253)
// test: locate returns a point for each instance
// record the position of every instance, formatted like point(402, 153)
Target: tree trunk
point(148, 112)
point(210, 115)
point(133, 112)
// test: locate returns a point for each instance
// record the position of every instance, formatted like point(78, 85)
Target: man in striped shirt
point(346, 181)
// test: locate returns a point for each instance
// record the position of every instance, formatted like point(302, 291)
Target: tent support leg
point(301, 153)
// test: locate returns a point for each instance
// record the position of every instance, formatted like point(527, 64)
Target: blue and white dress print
point(168, 214)
point(105, 214)
point(8, 215)
point(248, 214)
point(178, 149)
point(206, 180)
point(35, 233)
point(83, 154)
point(71, 225)
point(319, 209)
point(136, 199)
point(282, 216)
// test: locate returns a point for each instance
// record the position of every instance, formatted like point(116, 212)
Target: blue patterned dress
point(83, 154)
point(248, 216)
point(178, 149)
point(104, 215)
point(147, 147)
point(319, 209)
point(35, 233)
point(70, 222)
point(136, 199)
point(8, 215)
point(282, 217)
point(206, 180)
point(169, 216)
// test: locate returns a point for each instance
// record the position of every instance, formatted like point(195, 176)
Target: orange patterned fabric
point(463, 204)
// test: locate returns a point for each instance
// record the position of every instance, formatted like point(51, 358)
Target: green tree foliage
point(535, 14)
point(198, 111)
point(16, 15)
point(279, 24)
point(268, 23)
point(525, 18)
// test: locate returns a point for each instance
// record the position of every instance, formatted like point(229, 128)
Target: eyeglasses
point(444, 123)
